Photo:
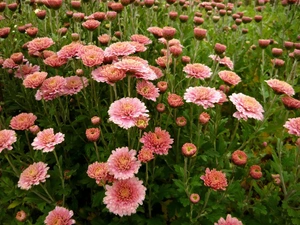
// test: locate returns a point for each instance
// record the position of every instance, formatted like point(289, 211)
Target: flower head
point(75, 84)
point(189, 149)
point(293, 126)
point(59, 215)
point(21, 216)
point(92, 134)
point(55, 61)
point(108, 73)
point(99, 172)
point(197, 70)
point(140, 39)
point(34, 174)
point(46, 140)
point(214, 179)
point(229, 77)
point(51, 88)
point(34, 80)
point(145, 155)
point(22, 121)
point(70, 50)
point(225, 61)
point(229, 221)
point(24, 70)
point(281, 87)
point(175, 100)
point(194, 198)
point(290, 103)
point(120, 49)
point(40, 44)
point(247, 107)
point(124, 196)
point(255, 172)
point(147, 90)
point(239, 158)
point(7, 138)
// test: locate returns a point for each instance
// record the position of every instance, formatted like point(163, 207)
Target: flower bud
point(194, 198)
point(189, 150)
point(204, 118)
point(92, 134)
point(96, 120)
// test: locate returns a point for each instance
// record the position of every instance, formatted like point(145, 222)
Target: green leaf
point(14, 204)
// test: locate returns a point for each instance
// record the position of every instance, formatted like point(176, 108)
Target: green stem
point(97, 151)
point(42, 197)
point(12, 165)
point(46, 191)
point(61, 175)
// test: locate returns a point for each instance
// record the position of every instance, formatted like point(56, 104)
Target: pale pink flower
point(247, 107)
point(214, 179)
point(21, 216)
point(163, 61)
point(108, 73)
point(69, 51)
point(24, 70)
point(51, 88)
point(92, 58)
point(98, 171)
point(120, 49)
point(9, 64)
point(75, 84)
point(142, 39)
point(34, 80)
point(136, 58)
point(91, 24)
point(223, 97)
point(156, 31)
point(157, 71)
point(46, 140)
point(125, 111)
point(124, 196)
point(34, 174)
point(225, 61)
point(132, 66)
point(158, 141)
point(22, 121)
point(281, 87)
point(197, 70)
point(147, 89)
point(55, 61)
point(145, 155)
point(59, 216)
point(229, 77)
point(293, 126)
point(123, 164)
point(7, 138)
point(229, 221)
point(204, 96)
point(138, 46)
point(40, 44)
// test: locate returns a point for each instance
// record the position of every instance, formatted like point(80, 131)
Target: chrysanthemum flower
point(175, 100)
point(131, 65)
point(158, 141)
point(156, 31)
point(255, 172)
point(204, 96)
point(40, 44)
point(229, 77)
point(281, 87)
point(123, 164)
point(290, 103)
point(197, 70)
point(46, 140)
point(225, 61)
point(214, 179)
point(98, 171)
point(108, 73)
point(34, 80)
point(157, 71)
point(163, 61)
point(21, 216)
point(247, 107)
point(7, 138)
point(91, 24)
point(293, 126)
point(55, 61)
point(145, 155)
point(69, 51)
point(124, 196)
point(138, 46)
point(124, 111)
point(51, 88)
point(24, 70)
point(60, 215)
point(194, 198)
point(34, 174)
point(120, 49)
point(92, 134)
point(147, 90)
point(22, 121)
point(239, 158)
point(229, 221)
point(75, 84)
point(142, 39)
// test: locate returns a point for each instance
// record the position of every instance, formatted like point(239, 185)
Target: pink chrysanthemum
point(145, 155)
point(91, 55)
point(34, 80)
point(125, 111)
point(197, 70)
point(142, 39)
point(255, 172)
point(204, 96)
point(91, 24)
point(120, 49)
point(34, 174)
point(69, 51)
point(40, 44)
point(46, 140)
point(98, 171)
point(75, 84)
point(158, 141)
point(225, 61)
point(7, 138)
point(156, 31)
point(157, 71)
point(51, 88)
point(123, 164)
point(22, 121)
point(214, 179)
point(281, 87)
point(59, 216)
point(124, 196)
point(131, 65)
point(229, 77)
point(147, 90)
point(9, 64)
point(293, 126)
point(175, 100)
point(290, 103)
point(239, 158)
point(24, 70)
point(108, 73)
point(229, 221)
point(55, 61)
point(247, 107)
point(138, 46)
point(163, 61)
point(172, 42)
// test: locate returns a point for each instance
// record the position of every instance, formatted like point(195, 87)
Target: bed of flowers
point(149, 112)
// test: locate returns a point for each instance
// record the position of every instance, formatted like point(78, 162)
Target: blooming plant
point(149, 112)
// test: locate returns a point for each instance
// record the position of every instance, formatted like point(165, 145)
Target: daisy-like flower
point(214, 179)
point(229, 221)
point(24, 70)
point(34, 80)
point(69, 51)
point(22, 121)
point(125, 111)
point(281, 87)
point(145, 155)
point(142, 39)
point(55, 61)
point(147, 90)
point(204, 96)
point(7, 138)
point(293, 126)
point(138, 46)
point(40, 44)
point(197, 70)
point(92, 58)
point(91, 24)
point(123, 164)
point(59, 215)
point(131, 65)
point(239, 158)
point(98, 171)
point(124, 196)
point(163, 61)
point(158, 141)
point(225, 61)
point(120, 49)
point(108, 74)
point(75, 84)
point(46, 140)
point(51, 88)
point(175, 100)
point(34, 174)
point(229, 77)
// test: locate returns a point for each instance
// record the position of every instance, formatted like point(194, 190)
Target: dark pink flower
point(60, 216)
point(34, 80)
point(145, 155)
point(92, 134)
point(214, 179)
point(91, 24)
point(255, 172)
point(281, 87)
point(239, 158)
point(55, 61)
point(24, 70)
point(197, 70)
point(142, 39)
point(22, 121)
point(40, 44)
point(51, 88)
point(225, 61)
point(108, 73)
point(229, 221)
point(70, 50)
